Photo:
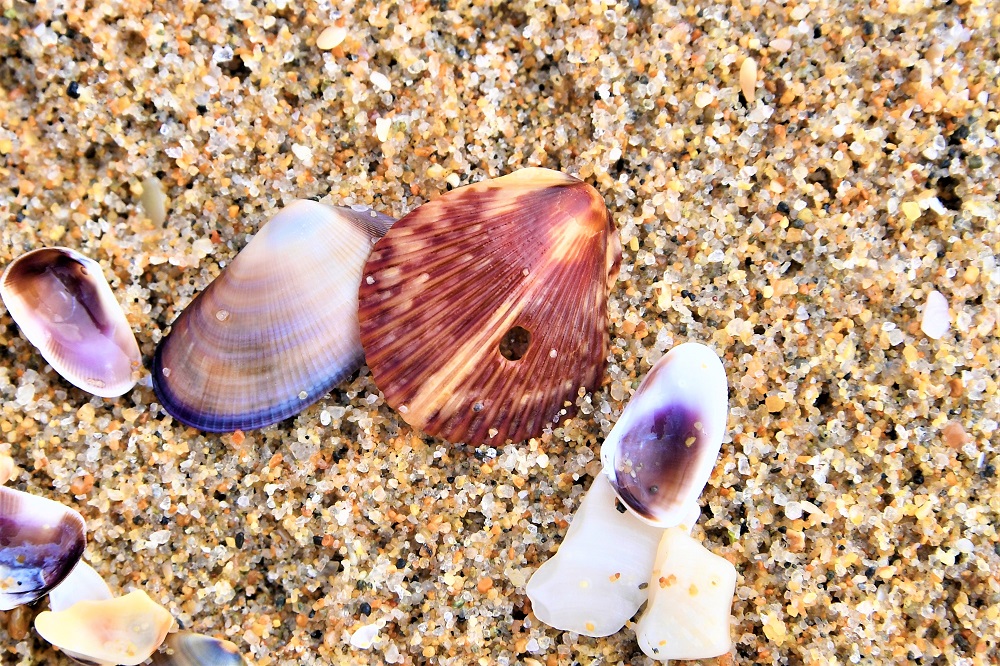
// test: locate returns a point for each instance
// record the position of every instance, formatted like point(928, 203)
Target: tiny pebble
point(935, 321)
point(381, 81)
point(748, 78)
point(332, 37)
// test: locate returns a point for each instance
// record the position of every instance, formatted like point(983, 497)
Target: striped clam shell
point(485, 311)
point(41, 541)
point(277, 329)
point(662, 450)
point(64, 306)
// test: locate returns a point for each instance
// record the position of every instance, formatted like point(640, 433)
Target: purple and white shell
point(661, 451)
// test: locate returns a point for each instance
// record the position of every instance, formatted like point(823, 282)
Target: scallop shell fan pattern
point(485, 311)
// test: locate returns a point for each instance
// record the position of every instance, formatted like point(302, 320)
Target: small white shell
point(594, 583)
point(64, 306)
point(82, 584)
point(690, 596)
point(936, 319)
point(661, 451)
point(125, 630)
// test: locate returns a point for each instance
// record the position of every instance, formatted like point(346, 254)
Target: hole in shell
point(514, 344)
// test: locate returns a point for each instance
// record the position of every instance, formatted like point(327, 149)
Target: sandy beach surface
point(794, 219)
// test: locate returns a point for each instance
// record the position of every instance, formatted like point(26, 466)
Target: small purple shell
point(662, 450)
point(64, 306)
point(40, 543)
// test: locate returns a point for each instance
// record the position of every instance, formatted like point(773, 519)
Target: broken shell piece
point(64, 306)
point(186, 648)
point(661, 451)
point(82, 584)
point(936, 320)
point(690, 597)
point(125, 630)
point(277, 329)
point(596, 580)
point(40, 543)
point(6, 468)
point(154, 200)
point(484, 311)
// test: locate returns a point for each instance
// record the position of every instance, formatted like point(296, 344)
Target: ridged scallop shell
point(40, 543)
point(277, 329)
point(125, 630)
point(484, 311)
point(186, 648)
point(690, 600)
point(661, 451)
point(64, 306)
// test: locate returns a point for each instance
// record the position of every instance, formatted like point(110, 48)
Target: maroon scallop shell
point(483, 312)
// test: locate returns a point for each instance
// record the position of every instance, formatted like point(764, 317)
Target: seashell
point(64, 306)
point(277, 329)
point(186, 648)
point(661, 451)
point(125, 630)
point(82, 584)
point(690, 598)
point(935, 321)
point(7, 468)
point(595, 582)
point(40, 543)
point(484, 311)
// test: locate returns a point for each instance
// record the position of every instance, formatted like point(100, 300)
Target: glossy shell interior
point(64, 306)
point(186, 648)
point(661, 451)
point(483, 312)
point(277, 329)
point(40, 543)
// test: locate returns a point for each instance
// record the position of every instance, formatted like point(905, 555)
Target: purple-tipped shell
point(277, 329)
point(64, 306)
point(186, 648)
point(662, 450)
point(40, 543)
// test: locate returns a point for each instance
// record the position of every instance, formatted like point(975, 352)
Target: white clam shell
point(125, 630)
point(936, 319)
point(594, 583)
point(690, 598)
point(277, 329)
point(63, 305)
point(82, 584)
point(661, 452)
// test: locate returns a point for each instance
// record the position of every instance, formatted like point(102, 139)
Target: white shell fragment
point(748, 79)
point(690, 597)
point(596, 580)
point(6, 468)
point(154, 200)
point(82, 584)
point(936, 319)
point(661, 451)
point(126, 630)
point(64, 306)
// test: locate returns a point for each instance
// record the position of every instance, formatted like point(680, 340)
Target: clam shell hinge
point(485, 311)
